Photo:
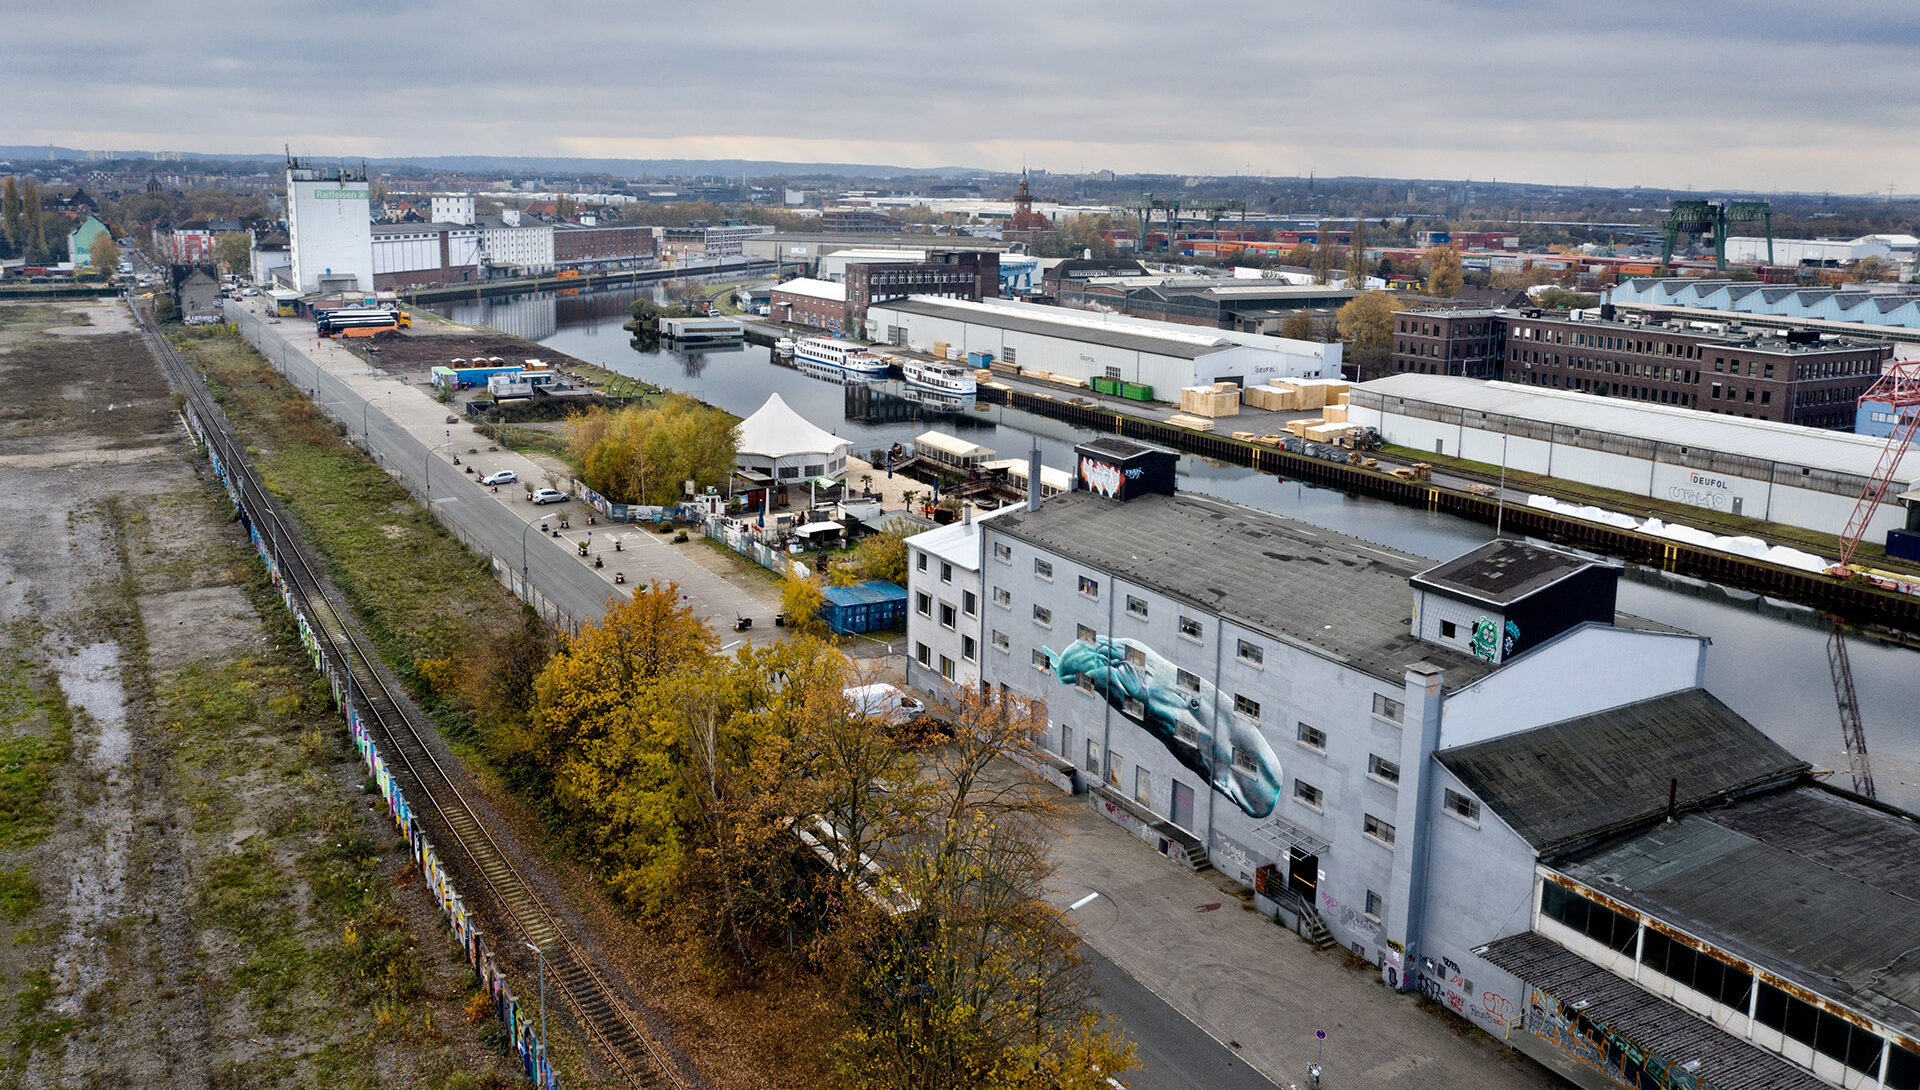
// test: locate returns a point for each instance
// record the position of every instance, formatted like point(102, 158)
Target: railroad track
point(616, 1032)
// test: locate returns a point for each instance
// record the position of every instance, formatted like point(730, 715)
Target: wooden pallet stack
point(1215, 401)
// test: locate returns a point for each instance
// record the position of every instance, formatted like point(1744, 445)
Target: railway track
point(616, 1032)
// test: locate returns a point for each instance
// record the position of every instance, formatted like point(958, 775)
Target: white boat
point(838, 361)
point(948, 378)
point(783, 348)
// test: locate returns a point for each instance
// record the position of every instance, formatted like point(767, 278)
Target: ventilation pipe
point(1033, 478)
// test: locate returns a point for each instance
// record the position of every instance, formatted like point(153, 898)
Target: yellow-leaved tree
point(645, 455)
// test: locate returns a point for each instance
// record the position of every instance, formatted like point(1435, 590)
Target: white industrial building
point(406, 254)
point(331, 227)
point(1804, 251)
point(452, 208)
point(1080, 345)
point(1476, 775)
point(1785, 473)
point(511, 247)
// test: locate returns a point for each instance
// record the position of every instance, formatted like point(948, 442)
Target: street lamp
point(364, 402)
point(426, 469)
point(542, 954)
point(526, 580)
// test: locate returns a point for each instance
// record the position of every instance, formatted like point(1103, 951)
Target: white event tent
point(782, 444)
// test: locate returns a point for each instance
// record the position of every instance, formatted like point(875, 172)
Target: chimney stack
point(1033, 478)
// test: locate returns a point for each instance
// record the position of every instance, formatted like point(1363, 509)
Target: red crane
point(1898, 388)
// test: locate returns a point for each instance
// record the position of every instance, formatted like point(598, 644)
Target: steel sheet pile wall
point(521, 1029)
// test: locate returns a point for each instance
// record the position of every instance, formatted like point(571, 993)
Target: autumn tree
point(1301, 256)
point(601, 725)
point(1444, 277)
point(497, 684)
point(804, 603)
point(103, 253)
point(1298, 326)
point(233, 252)
point(880, 555)
point(643, 455)
point(1357, 257)
point(1366, 326)
point(971, 979)
point(33, 230)
point(13, 220)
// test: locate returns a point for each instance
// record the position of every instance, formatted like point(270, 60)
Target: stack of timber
point(1217, 400)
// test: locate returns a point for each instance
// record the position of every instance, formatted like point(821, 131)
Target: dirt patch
point(186, 626)
point(94, 383)
point(417, 352)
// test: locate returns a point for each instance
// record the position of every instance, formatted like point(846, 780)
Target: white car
point(251, 291)
point(505, 476)
point(550, 495)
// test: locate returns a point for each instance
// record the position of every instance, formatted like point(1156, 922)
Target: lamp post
point(525, 579)
point(426, 469)
point(364, 402)
point(542, 954)
point(1500, 508)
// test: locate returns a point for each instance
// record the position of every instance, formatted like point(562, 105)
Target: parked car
point(251, 291)
point(505, 476)
point(886, 702)
point(550, 495)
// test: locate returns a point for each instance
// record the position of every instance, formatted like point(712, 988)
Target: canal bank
point(556, 282)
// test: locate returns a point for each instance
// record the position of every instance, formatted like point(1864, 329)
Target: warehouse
point(1080, 345)
point(1476, 775)
point(1759, 469)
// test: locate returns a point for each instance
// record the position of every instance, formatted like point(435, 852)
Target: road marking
point(1087, 900)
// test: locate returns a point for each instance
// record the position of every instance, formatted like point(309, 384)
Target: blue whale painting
point(1144, 687)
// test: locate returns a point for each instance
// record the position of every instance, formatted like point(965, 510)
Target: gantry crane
point(1898, 388)
point(1214, 209)
point(1711, 218)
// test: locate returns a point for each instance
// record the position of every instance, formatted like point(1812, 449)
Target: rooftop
point(1766, 440)
point(1657, 1024)
point(810, 288)
point(1567, 783)
point(1808, 884)
point(1502, 571)
point(1337, 596)
point(1183, 342)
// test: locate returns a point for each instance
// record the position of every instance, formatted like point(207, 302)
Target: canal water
point(1768, 660)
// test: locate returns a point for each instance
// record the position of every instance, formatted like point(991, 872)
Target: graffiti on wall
point(1587, 1042)
point(1492, 642)
point(1194, 721)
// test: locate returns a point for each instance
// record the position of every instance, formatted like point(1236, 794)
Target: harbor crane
point(1899, 388)
point(1711, 218)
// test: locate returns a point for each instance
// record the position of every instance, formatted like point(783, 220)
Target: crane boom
point(1852, 733)
point(1899, 388)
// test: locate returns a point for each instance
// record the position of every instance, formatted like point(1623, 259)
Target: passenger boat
point(838, 361)
point(948, 378)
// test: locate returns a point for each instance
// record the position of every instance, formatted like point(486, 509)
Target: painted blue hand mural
point(1144, 687)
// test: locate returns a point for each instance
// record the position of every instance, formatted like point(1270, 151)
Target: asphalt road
point(398, 424)
point(1175, 1054)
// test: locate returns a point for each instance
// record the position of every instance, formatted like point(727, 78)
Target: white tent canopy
point(781, 443)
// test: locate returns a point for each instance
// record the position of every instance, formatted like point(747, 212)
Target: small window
point(1000, 641)
point(1002, 553)
point(946, 667)
point(1376, 905)
point(1042, 615)
point(1387, 709)
point(1187, 680)
point(968, 603)
point(1246, 706)
point(1136, 606)
point(921, 653)
point(1089, 587)
point(921, 561)
point(1251, 653)
point(1114, 761)
point(1448, 630)
point(1311, 737)
point(946, 615)
point(1093, 756)
point(1190, 628)
point(1187, 734)
point(1142, 786)
point(1377, 829)
point(1462, 807)
point(1245, 760)
point(946, 572)
point(968, 648)
point(1042, 568)
point(1306, 794)
point(1382, 769)
point(923, 604)
point(1040, 662)
point(1083, 633)
point(1002, 597)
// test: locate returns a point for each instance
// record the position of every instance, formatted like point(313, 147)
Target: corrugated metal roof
point(1812, 886)
point(1180, 345)
point(869, 593)
point(1662, 1027)
point(1762, 439)
point(1581, 778)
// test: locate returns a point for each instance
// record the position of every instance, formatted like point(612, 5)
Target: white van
point(885, 702)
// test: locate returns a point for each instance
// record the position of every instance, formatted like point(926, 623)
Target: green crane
point(1712, 217)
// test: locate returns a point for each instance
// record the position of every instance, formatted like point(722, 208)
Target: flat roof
point(951, 445)
point(1762, 439)
point(1564, 783)
point(813, 289)
point(1503, 571)
point(1182, 345)
point(1808, 884)
point(1337, 596)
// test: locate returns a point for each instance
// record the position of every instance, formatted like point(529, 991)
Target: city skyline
point(1713, 96)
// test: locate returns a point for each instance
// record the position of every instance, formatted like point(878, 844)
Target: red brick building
point(601, 247)
point(816, 304)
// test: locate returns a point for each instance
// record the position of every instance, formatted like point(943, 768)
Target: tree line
point(741, 804)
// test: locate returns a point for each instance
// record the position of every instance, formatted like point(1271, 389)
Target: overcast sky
point(1755, 95)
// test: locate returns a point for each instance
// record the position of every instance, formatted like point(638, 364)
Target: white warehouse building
point(330, 227)
point(1760, 469)
point(1080, 345)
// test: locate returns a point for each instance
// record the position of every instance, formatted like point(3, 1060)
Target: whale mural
point(1144, 688)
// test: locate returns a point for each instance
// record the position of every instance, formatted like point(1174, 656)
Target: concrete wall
point(1590, 669)
point(330, 232)
point(1479, 881)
